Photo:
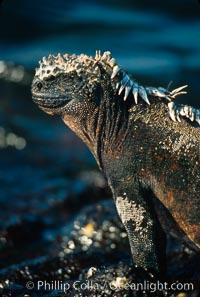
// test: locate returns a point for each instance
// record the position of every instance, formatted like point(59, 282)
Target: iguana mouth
point(50, 102)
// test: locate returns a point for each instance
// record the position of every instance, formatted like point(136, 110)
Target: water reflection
point(11, 139)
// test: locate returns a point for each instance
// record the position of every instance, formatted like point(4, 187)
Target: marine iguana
point(148, 159)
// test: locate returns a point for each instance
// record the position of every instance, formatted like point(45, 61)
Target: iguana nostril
point(39, 85)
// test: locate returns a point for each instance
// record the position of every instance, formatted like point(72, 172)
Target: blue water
point(147, 39)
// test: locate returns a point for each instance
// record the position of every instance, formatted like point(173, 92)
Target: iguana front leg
point(146, 237)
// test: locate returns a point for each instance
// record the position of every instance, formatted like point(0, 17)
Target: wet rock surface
point(88, 256)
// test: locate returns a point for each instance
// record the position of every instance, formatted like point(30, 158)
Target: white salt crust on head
point(54, 65)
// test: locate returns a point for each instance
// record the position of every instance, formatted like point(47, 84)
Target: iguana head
point(63, 82)
point(81, 89)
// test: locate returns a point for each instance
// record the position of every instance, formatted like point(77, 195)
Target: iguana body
point(146, 157)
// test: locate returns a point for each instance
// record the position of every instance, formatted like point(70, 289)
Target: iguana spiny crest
point(88, 69)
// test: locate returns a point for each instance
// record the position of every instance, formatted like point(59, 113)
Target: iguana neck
point(102, 127)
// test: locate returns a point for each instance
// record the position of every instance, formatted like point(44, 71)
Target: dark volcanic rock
point(90, 256)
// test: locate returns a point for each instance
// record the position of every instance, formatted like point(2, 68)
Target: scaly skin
point(147, 159)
